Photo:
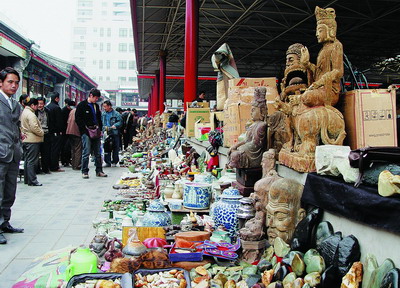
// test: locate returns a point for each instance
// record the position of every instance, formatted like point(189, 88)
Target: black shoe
point(35, 184)
point(3, 239)
point(9, 229)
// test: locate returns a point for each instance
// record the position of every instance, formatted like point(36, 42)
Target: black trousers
point(65, 150)
point(31, 152)
point(44, 164)
point(55, 145)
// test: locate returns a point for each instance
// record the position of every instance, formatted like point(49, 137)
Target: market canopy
point(259, 33)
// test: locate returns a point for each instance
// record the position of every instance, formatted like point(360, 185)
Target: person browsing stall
point(88, 119)
point(112, 123)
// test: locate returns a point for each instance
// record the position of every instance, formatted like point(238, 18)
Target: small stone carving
point(253, 230)
point(283, 209)
point(312, 116)
point(353, 278)
point(248, 153)
point(333, 160)
point(388, 184)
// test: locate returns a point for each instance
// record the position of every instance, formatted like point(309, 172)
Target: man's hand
point(113, 127)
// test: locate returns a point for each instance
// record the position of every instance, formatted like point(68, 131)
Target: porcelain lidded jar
point(225, 211)
point(156, 215)
point(197, 195)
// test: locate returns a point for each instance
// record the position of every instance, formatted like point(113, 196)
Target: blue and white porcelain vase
point(225, 211)
point(196, 195)
point(156, 216)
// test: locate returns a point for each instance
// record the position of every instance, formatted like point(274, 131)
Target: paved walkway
point(55, 215)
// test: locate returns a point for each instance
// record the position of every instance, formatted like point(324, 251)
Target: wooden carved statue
point(283, 209)
point(248, 153)
point(312, 117)
point(157, 122)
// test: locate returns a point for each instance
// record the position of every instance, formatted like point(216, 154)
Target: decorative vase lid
point(247, 200)
point(231, 193)
point(156, 206)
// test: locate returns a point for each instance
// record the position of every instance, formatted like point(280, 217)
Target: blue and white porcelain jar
point(156, 215)
point(225, 211)
point(196, 195)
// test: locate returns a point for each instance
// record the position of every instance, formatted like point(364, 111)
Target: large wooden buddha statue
point(313, 118)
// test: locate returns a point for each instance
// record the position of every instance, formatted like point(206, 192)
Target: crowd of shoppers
point(44, 134)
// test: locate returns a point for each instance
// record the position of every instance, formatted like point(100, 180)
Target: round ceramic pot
point(225, 211)
point(196, 195)
point(156, 215)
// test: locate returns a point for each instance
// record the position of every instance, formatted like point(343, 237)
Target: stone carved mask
point(283, 209)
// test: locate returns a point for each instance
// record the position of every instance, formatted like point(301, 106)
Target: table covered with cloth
point(362, 204)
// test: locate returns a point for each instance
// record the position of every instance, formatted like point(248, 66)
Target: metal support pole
point(163, 77)
point(191, 51)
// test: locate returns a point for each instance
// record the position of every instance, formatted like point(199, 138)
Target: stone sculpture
point(262, 186)
point(312, 115)
point(388, 184)
point(253, 230)
point(248, 153)
point(283, 209)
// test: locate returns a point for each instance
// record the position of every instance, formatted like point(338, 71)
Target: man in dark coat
point(55, 130)
point(65, 144)
point(88, 116)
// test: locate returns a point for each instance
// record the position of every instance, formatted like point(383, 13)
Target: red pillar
point(163, 77)
point(191, 51)
point(156, 102)
point(149, 101)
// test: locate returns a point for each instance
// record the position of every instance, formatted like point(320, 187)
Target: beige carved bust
point(283, 209)
point(262, 186)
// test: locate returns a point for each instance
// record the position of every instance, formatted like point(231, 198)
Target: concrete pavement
point(55, 215)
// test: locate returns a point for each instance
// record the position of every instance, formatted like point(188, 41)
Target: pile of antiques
point(179, 220)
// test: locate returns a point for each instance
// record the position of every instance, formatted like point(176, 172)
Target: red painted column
point(191, 51)
point(163, 77)
point(149, 106)
point(156, 93)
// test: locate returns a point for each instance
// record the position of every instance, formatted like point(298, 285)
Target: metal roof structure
point(259, 33)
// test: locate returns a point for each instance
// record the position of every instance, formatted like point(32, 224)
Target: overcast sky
point(47, 22)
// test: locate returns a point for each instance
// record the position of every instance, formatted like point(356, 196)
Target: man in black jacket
point(65, 144)
point(55, 123)
point(88, 116)
point(43, 115)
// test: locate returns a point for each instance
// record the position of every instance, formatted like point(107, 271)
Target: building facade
point(103, 45)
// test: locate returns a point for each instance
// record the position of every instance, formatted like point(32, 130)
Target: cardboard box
point(214, 117)
point(270, 83)
point(370, 118)
point(236, 116)
point(192, 116)
point(197, 129)
point(200, 104)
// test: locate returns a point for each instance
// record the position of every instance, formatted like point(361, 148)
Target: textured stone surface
point(324, 230)
point(333, 160)
point(388, 184)
point(353, 278)
point(379, 273)
point(348, 252)
point(391, 279)
point(370, 264)
point(303, 235)
point(328, 248)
